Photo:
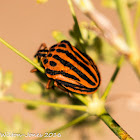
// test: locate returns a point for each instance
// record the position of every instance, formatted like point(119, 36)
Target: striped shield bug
point(71, 69)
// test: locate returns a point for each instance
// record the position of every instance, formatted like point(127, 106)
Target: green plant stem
point(75, 121)
point(129, 34)
point(38, 103)
point(23, 56)
point(126, 22)
point(79, 35)
point(81, 98)
point(137, 15)
point(120, 62)
point(114, 126)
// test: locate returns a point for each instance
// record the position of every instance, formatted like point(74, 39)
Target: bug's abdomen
point(80, 80)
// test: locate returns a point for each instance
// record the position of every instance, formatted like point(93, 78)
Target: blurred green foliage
point(6, 80)
point(111, 3)
point(41, 1)
point(33, 87)
point(58, 36)
point(97, 48)
point(18, 127)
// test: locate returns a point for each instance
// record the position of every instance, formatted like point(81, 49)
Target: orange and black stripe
point(70, 68)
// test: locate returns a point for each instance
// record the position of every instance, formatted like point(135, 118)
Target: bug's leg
point(34, 70)
point(48, 84)
point(42, 46)
point(56, 84)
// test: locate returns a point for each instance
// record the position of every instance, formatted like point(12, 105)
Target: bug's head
point(42, 52)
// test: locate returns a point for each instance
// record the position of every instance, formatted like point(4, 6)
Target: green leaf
point(111, 3)
point(41, 1)
point(109, 53)
point(58, 36)
point(33, 87)
point(8, 79)
point(87, 35)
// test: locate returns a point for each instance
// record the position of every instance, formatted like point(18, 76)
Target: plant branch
point(120, 62)
point(129, 34)
point(137, 15)
point(104, 26)
point(39, 103)
point(78, 32)
point(114, 126)
point(75, 121)
point(23, 56)
point(81, 98)
point(126, 22)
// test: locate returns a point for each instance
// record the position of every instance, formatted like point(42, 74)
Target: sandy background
point(25, 25)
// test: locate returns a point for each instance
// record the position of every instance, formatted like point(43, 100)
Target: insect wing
point(72, 69)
